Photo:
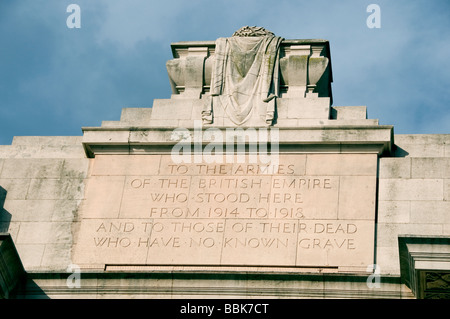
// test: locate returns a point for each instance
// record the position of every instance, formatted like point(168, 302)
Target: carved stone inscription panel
point(313, 210)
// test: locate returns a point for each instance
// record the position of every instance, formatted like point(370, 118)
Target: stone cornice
point(330, 139)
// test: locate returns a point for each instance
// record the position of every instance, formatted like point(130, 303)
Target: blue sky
point(55, 80)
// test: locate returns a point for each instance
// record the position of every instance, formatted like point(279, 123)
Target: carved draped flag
point(245, 75)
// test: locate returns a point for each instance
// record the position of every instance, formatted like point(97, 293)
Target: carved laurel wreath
point(252, 32)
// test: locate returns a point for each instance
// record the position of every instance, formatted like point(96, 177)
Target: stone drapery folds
point(245, 76)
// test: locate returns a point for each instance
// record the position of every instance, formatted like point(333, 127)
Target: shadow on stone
point(5, 216)
point(399, 152)
point(28, 289)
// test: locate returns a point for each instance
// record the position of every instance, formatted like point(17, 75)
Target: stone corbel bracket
point(425, 265)
point(305, 68)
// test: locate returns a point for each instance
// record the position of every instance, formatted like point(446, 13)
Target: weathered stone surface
point(31, 255)
point(418, 145)
point(342, 164)
point(174, 109)
point(388, 232)
point(30, 210)
point(75, 168)
point(103, 196)
point(394, 211)
point(430, 167)
point(430, 212)
point(15, 188)
point(56, 256)
point(357, 195)
point(447, 189)
point(67, 188)
point(34, 233)
point(388, 260)
point(46, 140)
point(315, 108)
point(411, 189)
point(125, 165)
point(349, 112)
point(138, 115)
point(32, 168)
point(395, 168)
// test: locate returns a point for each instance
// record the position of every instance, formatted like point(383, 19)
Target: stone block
point(430, 212)
point(341, 164)
point(165, 123)
point(112, 241)
point(34, 232)
point(6, 151)
point(349, 112)
point(15, 188)
point(411, 189)
point(447, 189)
point(66, 210)
point(42, 151)
point(46, 140)
point(432, 145)
point(30, 210)
point(394, 211)
point(172, 109)
point(395, 167)
point(283, 122)
point(63, 151)
point(155, 136)
point(32, 168)
point(135, 116)
point(431, 139)
point(387, 259)
point(366, 122)
point(103, 196)
point(446, 229)
point(111, 136)
point(60, 233)
point(110, 165)
point(387, 234)
point(113, 124)
point(75, 168)
point(430, 167)
point(357, 197)
point(30, 255)
point(56, 257)
point(307, 108)
point(282, 108)
point(65, 188)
